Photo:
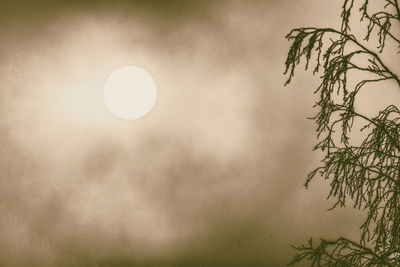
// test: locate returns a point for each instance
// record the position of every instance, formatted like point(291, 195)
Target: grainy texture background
point(212, 176)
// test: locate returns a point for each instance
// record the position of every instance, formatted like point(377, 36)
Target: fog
point(213, 176)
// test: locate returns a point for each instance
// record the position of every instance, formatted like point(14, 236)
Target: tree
point(366, 173)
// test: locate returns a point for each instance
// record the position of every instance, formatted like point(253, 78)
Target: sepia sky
point(211, 177)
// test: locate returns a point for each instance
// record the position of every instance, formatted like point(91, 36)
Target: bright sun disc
point(130, 92)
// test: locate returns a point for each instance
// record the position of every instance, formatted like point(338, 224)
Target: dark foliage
point(366, 173)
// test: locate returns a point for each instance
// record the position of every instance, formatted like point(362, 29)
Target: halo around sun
point(130, 92)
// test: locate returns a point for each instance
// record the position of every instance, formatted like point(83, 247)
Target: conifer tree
point(366, 173)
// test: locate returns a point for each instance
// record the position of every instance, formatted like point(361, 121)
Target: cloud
point(212, 176)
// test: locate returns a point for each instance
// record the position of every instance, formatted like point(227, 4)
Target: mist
point(213, 176)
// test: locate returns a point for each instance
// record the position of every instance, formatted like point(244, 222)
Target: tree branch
point(397, 5)
point(368, 174)
point(372, 53)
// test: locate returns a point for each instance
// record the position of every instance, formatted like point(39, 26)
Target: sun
point(130, 92)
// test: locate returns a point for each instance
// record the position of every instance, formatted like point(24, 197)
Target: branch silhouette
point(367, 174)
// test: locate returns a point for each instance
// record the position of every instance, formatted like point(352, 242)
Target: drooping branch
point(341, 253)
point(315, 36)
point(368, 174)
point(382, 20)
point(397, 6)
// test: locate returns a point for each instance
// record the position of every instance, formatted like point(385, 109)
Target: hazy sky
point(212, 176)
